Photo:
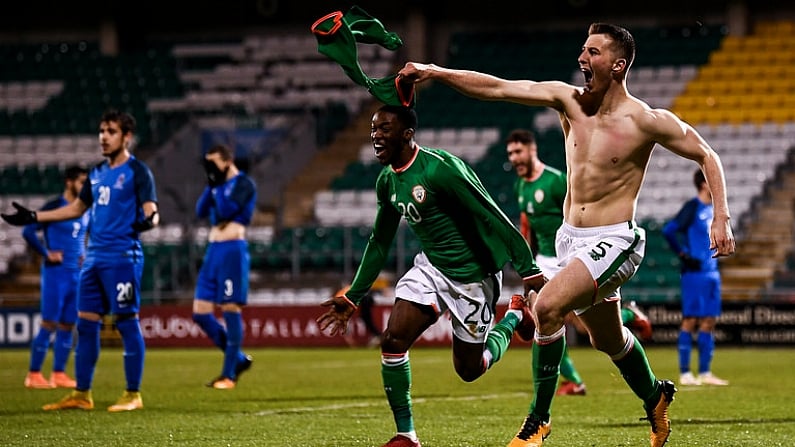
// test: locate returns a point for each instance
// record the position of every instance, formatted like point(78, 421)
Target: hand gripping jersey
point(337, 36)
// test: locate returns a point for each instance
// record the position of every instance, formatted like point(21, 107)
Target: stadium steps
point(767, 242)
point(329, 163)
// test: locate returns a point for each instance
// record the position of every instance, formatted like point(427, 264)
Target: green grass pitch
point(334, 397)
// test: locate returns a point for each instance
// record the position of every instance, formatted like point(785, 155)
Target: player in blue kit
point(121, 199)
point(701, 302)
point(62, 250)
point(228, 202)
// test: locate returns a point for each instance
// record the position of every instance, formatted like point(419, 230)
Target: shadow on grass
point(703, 421)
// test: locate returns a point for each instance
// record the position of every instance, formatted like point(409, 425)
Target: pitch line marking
point(379, 403)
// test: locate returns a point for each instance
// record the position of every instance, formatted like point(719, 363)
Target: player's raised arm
point(491, 88)
point(684, 140)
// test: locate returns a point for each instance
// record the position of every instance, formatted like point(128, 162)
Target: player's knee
point(231, 307)
point(603, 347)
point(65, 326)
point(48, 325)
point(391, 343)
point(468, 373)
point(548, 315)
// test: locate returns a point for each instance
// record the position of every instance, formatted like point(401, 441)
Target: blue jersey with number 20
point(115, 196)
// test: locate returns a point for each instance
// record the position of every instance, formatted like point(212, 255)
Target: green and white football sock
point(547, 353)
point(499, 338)
point(396, 376)
point(634, 367)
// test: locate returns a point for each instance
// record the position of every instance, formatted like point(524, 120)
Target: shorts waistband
point(593, 231)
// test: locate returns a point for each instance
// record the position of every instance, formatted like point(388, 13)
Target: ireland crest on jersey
point(538, 195)
point(418, 192)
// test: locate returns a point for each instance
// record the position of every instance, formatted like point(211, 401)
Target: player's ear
point(408, 134)
point(127, 140)
point(619, 65)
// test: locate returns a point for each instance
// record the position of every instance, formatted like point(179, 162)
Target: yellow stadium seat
point(721, 58)
point(695, 117)
point(759, 116)
point(783, 57)
point(711, 72)
point(731, 43)
point(782, 114)
point(699, 87)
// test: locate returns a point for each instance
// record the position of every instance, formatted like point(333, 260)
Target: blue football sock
point(685, 345)
point(706, 349)
point(234, 339)
point(39, 348)
point(61, 349)
point(212, 328)
point(134, 350)
point(87, 352)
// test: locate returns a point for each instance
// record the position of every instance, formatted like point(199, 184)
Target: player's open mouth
point(588, 75)
point(379, 149)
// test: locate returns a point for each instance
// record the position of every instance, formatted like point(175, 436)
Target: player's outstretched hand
point(336, 318)
point(23, 216)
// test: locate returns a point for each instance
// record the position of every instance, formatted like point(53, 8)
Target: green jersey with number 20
point(461, 230)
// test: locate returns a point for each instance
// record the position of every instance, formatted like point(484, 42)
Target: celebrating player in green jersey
point(466, 241)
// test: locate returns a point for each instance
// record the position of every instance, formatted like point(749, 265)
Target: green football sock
point(627, 316)
point(635, 369)
point(546, 369)
point(567, 369)
point(499, 337)
point(397, 385)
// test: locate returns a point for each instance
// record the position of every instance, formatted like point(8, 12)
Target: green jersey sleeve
point(385, 226)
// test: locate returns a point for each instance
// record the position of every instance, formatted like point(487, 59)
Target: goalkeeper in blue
point(688, 236)
point(466, 241)
point(228, 202)
point(121, 201)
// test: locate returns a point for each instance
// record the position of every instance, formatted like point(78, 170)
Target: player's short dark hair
point(226, 152)
point(405, 115)
point(621, 36)
point(523, 136)
point(74, 172)
point(698, 178)
point(125, 120)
